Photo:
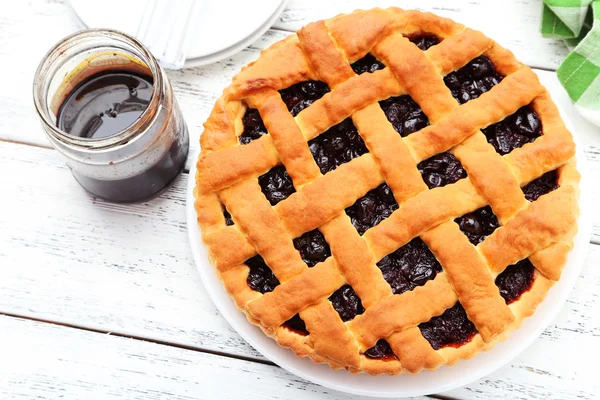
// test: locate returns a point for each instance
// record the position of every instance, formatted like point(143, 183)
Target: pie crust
point(227, 179)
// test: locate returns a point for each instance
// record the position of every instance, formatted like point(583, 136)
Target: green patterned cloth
point(578, 23)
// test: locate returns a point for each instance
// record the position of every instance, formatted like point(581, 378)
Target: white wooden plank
point(67, 257)
point(513, 24)
point(46, 361)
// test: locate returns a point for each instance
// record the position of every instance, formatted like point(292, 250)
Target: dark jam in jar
point(106, 104)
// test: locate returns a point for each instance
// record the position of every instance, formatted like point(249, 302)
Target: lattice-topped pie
point(387, 191)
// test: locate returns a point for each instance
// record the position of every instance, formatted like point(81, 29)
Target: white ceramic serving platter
point(445, 378)
point(225, 26)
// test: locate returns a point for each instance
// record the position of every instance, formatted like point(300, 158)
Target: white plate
point(237, 47)
point(225, 26)
point(445, 378)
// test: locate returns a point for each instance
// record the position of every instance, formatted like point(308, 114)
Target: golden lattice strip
point(325, 197)
point(287, 138)
point(414, 351)
point(355, 261)
point(417, 75)
point(495, 182)
point(378, 367)
point(235, 280)
point(204, 205)
point(456, 51)
point(289, 298)
point(221, 243)
point(242, 162)
point(374, 25)
point(257, 219)
point(470, 278)
point(423, 22)
point(278, 69)
point(330, 336)
point(533, 160)
point(549, 261)
point(299, 343)
point(220, 127)
point(347, 98)
point(323, 54)
point(421, 213)
point(409, 309)
point(531, 230)
point(504, 61)
point(392, 155)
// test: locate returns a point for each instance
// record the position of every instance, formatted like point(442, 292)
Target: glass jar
point(135, 163)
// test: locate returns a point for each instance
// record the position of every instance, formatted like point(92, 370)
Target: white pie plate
point(445, 378)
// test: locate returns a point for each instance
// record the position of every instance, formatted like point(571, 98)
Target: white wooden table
point(99, 300)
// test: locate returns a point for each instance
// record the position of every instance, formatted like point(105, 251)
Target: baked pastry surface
point(387, 191)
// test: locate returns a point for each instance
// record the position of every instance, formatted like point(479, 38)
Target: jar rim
point(41, 84)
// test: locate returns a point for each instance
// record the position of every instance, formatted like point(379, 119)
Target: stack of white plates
point(224, 28)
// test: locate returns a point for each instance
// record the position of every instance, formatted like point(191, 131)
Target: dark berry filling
point(347, 303)
point(296, 324)
point(254, 127)
point(404, 114)
point(515, 280)
point(540, 186)
point(478, 224)
point(260, 278)
point(472, 80)
point(372, 208)
point(441, 170)
point(410, 266)
point(514, 131)
point(381, 350)
point(228, 219)
point(313, 247)
point(301, 95)
point(367, 64)
point(452, 328)
point(424, 41)
point(276, 184)
point(339, 144)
